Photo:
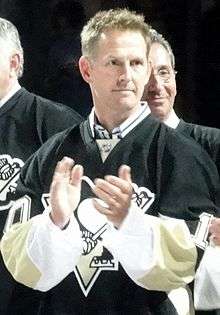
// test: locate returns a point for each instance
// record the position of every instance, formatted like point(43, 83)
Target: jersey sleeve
point(40, 255)
point(157, 254)
point(207, 280)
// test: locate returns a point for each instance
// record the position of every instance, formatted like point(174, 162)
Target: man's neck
point(11, 91)
point(172, 120)
point(110, 123)
point(114, 119)
point(128, 124)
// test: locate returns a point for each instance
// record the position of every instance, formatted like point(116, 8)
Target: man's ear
point(15, 61)
point(85, 68)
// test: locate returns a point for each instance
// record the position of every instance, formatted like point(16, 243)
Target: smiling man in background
point(160, 93)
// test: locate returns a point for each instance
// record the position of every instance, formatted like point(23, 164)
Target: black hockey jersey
point(172, 176)
point(26, 122)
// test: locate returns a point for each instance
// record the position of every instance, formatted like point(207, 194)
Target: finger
point(63, 168)
point(76, 175)
point(123, 185)
point(111, 215)
point(107, 194)
point(124, 172)
point(107, 186)
point(103, 210)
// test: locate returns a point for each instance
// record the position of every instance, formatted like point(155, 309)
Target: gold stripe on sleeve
point(175, 257)
point(15, 256)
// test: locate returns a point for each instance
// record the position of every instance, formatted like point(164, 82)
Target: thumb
point(124, 172)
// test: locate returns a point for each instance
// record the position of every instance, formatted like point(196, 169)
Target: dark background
point(50, 37)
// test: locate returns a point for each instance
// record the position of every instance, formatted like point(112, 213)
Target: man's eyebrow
point(163, 67)
point(113, 57)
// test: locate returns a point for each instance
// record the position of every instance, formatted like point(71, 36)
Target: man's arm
point(41, 247)
point(34, 252)
point(157, 254)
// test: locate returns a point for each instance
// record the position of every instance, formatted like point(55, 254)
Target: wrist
point(61, 223)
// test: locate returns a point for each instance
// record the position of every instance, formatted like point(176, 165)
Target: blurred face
point(117, 74)
point(8, 67)
point(160, 90)
point(4, 72)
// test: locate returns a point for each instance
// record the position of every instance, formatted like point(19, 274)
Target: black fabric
point(213, 312)
point(26, 122)
point(180, 174)
point(207, 137)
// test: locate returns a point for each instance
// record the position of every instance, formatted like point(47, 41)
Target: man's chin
point(127, 102)
point(158, 112)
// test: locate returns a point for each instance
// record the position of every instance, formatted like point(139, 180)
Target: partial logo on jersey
point(19, 212)
point(143, 197)
point(96, 258)
point(202, 230)
point(9, 172)
point(45, 199)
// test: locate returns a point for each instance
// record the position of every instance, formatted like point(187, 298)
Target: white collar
point(13, 90)
point(172, 120)
point(128, 124)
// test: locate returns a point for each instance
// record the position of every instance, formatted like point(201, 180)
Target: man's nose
point(126, 73)
point(154, 83)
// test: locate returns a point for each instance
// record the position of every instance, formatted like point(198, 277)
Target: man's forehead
point(159, 56)
point(116, 42)
point(5, 48)
point(115, 34)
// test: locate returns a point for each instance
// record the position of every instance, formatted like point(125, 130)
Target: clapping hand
point(116, 192)
point(65, 191)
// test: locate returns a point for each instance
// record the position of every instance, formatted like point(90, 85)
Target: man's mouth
point(156, 99)
point(123, 90)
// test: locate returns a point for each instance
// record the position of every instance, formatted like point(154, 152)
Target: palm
point(65, 190)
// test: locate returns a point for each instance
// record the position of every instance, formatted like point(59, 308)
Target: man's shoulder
point(52, 106)
point(207, 131)
point(64, 135)
point(200, 133)
point(57, 142)
point(182, 142)
point(168, 139)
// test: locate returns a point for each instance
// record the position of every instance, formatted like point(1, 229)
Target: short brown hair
point(114, 19)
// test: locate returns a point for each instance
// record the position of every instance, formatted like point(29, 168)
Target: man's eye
point(113, 62)
point(136, 63)
point(163, 73)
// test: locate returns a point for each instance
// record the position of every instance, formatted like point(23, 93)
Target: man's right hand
point(65, 191)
